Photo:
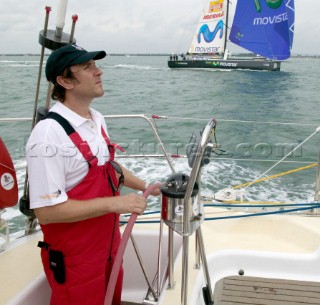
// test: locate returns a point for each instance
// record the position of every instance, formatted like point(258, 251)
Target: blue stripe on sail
point(261, 26)
point(290, 12)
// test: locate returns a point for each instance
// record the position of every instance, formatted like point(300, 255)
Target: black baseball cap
point(67, 56)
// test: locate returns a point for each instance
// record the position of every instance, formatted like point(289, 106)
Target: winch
point(173, 203)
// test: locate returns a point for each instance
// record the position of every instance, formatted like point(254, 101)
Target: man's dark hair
point(59, 92)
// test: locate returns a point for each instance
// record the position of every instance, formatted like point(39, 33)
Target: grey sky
point(136, 26)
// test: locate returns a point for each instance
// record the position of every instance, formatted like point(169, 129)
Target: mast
point(226, 25)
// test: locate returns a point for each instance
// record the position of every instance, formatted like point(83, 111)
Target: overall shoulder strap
point(62, 121)
point(111, 146)
point(82, 145)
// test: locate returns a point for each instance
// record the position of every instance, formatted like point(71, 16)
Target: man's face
point(87, 80)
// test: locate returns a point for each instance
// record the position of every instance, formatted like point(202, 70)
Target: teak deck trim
point(248, 290)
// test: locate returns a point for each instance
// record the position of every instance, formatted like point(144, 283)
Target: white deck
point(284, 247)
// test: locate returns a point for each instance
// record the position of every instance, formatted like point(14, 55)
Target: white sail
point(210, 32)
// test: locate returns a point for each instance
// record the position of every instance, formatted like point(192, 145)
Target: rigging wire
point(183, 36)
point(192, 119)
point(267, 171)
point(236, 121)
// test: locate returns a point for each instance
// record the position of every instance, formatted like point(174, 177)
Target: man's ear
point(65, 82)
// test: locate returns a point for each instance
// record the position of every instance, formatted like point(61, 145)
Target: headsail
point(210, 33)
point(263, 27)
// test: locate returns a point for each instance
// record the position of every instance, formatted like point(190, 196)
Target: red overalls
point(89, 246)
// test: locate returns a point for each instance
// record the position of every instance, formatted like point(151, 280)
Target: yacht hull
point(229, 64)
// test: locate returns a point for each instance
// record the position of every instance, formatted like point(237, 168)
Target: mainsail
point(264, 27)
point(210, 33)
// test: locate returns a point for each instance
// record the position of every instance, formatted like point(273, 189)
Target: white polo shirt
point(55, 165)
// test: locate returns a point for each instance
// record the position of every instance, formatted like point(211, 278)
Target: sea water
point(261, 118)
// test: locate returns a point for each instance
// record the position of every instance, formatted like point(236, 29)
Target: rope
point(264, 213)
point(251, 203)
point(122, 246)
point(303, 207)
point(257, 205)
point(275, 176)
point(260, 177)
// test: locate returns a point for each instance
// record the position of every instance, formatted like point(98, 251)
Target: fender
point(8, 179)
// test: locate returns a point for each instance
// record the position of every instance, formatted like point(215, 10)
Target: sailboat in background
point(264, 27)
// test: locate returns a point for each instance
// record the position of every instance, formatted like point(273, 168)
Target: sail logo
point(274, 4)
point(271, 20)
point(216, 6)
point(209, 36)
point(213, 16)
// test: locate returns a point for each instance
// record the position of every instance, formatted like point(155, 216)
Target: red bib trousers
point(89, 246)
